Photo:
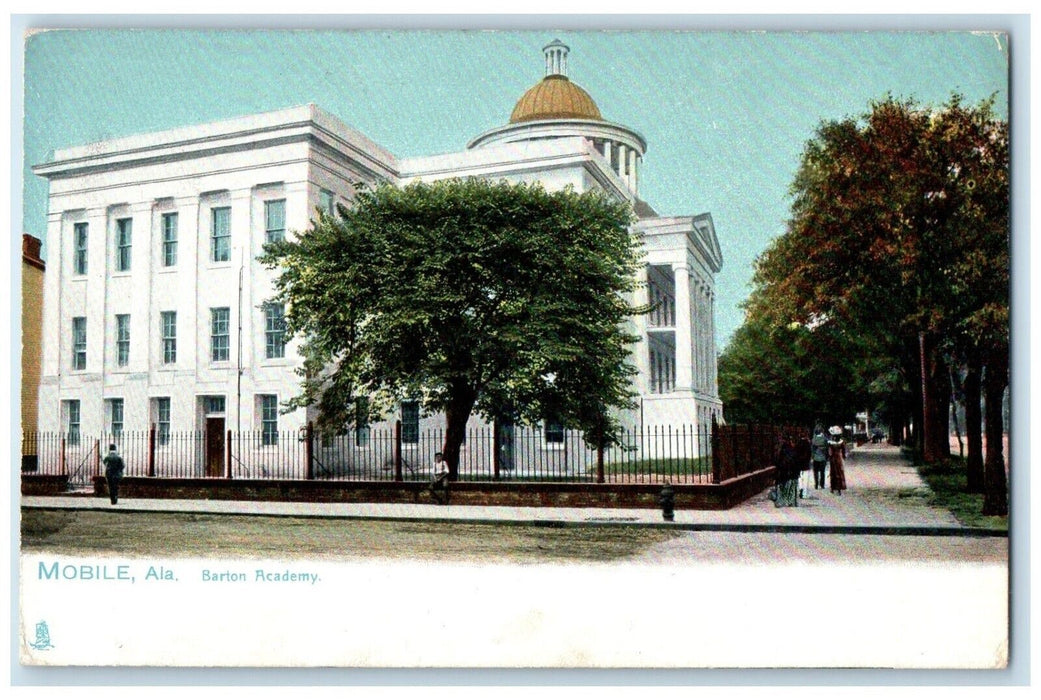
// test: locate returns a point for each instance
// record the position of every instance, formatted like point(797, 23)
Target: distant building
point(32, 322)
point(155, 310)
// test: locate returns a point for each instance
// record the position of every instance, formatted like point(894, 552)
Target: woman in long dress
point(787, 484)
point(837, 459)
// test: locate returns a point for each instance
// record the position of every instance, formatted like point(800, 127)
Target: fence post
point(63, 466)
point(600, 461)
point(97, 457)
point(715, 451)
point(227, 455)
point(309, 448)
point(496, 448)
point(398, 475)
point(151, 450)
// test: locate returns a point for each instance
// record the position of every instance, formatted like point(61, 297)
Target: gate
point(86, 466)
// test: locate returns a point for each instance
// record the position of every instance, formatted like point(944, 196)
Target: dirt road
point(208, 535)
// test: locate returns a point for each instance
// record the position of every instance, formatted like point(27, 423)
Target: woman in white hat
point(837, 458)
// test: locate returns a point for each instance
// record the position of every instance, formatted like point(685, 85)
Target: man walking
point(113, 472)
point(819, 452)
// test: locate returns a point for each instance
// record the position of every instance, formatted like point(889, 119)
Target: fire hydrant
point(667, 499)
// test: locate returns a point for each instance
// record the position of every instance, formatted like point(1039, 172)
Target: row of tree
point(892, 278)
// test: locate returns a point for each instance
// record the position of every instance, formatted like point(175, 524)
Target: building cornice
point(699, 230)
point(300, 124)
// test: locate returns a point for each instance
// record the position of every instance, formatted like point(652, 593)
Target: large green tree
point(468, 296)
point(793, 374)
point(899, 229)
point(973, 217)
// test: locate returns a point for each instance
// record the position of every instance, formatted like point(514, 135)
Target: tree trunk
point(897, 424)
point(936, 442)
point(974, 424)
point(457, 413)
point(914, 414)
point(995, 379)
point(956, 391)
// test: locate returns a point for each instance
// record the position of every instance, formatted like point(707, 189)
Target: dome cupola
point(556, 108)
point(555, 96)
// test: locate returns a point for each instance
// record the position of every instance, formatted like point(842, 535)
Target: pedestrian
point(837, 455)
point(819, 453)
point(802, 451)
point(113, 472)
point(439, 479)
point(787, 476)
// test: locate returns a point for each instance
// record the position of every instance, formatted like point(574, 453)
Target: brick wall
point(688, 496)
point(44, 484)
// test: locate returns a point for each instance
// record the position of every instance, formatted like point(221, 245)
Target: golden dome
point(555, 97)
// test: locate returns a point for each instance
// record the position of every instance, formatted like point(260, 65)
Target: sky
point(726, 114)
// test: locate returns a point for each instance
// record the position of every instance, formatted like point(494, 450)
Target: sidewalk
point(885, 496)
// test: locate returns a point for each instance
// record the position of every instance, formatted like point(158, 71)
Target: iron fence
point(741, 449)
point(680, 454)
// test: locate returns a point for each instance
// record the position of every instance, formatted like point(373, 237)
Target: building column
point(684, 363)
point(698, 316)
point(706, 333)
point(713, 369)
point(52, 329)
point(641, 297)
point(58, 250)
point(631, 178)
point(193, 235)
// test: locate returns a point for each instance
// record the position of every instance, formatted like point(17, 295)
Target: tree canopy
point(467, 296)
point(899, 231)
point(793, 374)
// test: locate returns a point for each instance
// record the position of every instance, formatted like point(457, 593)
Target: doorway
point(215, 446)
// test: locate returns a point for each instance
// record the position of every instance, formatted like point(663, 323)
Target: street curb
point(751, 528)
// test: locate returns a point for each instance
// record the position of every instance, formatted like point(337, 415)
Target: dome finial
point(556, 58)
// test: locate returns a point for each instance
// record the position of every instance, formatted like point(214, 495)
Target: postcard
point(543, 349)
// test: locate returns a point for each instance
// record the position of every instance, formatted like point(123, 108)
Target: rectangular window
point(79, 234)
point(169, 333)
point(361, 421)
point(162, 419)
point(554, 431)
point(275, 220)
point(220, 234)
point(169, 240)
point(213, 405)
point(115, 417)
point(274, 331)
point(220, 340)
point(122, 339)
point(326, 202)
point(79, 342)
point(124, 233)
point(72, 421)
point(269, 419)
point(410, 422)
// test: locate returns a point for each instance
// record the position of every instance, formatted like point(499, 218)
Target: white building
point(154, 303)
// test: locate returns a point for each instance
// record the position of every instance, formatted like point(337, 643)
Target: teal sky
point(725, 114)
